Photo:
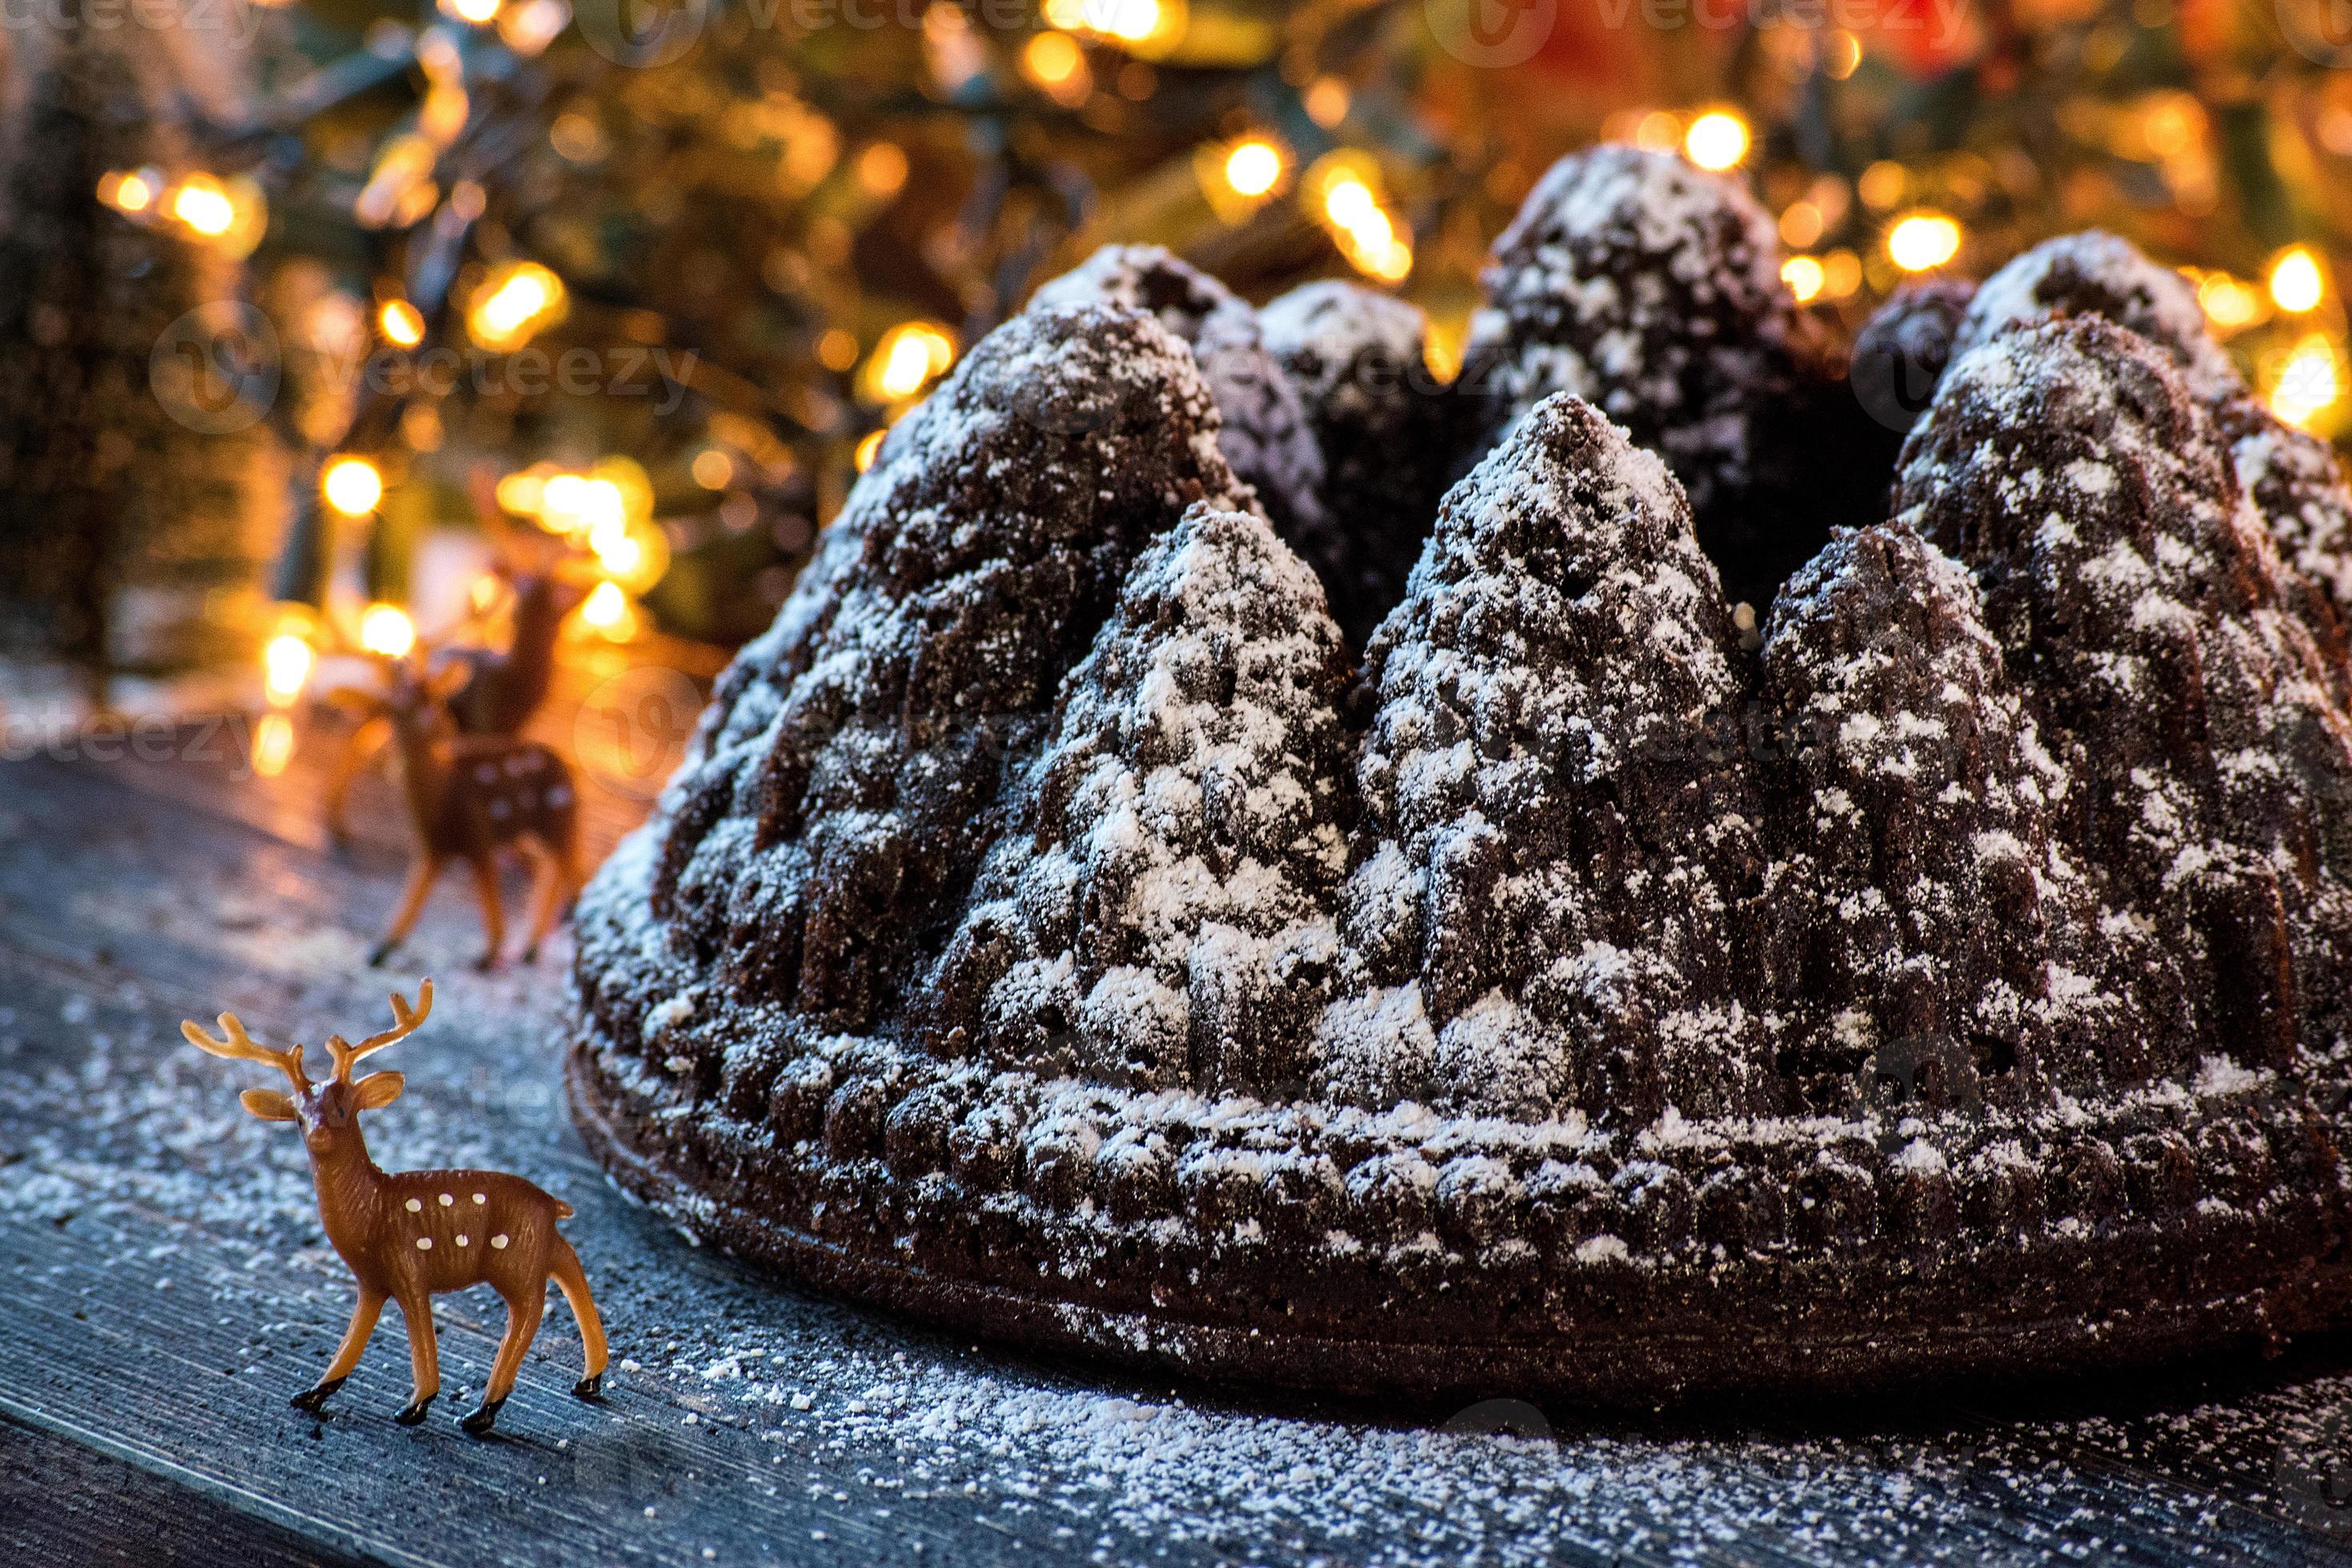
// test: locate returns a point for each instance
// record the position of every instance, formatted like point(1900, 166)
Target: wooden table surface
point(165, 1287)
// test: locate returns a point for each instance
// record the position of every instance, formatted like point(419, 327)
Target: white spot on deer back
point(416, 1206)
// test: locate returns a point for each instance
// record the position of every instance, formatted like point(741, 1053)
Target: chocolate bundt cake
point(1059, 931)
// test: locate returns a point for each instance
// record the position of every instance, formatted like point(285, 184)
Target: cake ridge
point(972, 567)
point(1598, 995)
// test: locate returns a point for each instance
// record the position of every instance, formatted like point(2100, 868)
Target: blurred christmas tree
point(130, 517)
point(668, 271)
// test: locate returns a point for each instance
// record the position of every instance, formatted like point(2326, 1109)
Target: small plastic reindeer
point(467, 797)
point(505, 686)
point(410, 1236)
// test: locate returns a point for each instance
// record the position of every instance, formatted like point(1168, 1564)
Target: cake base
point(1645, 1333)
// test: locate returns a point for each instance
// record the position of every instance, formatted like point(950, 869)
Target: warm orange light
point(1802, 224)
point(286, 663)
point(352, 484)
point(1922, 241)
point(2296, 283)
point(1717, 139)
point(1804, 276)
point(401, 324)
point(1657, 131)
point(867, 445)
point(523, 493)
point(273, 745)
point(1051, 59)
point(1327, 101)
point(1341, 185)
point(386, 629)
point(882, 170)
point(608, 611)
point(2309, 382)
point(512, 304)
point(906, 360)
point(712, 469)
point(2230, 305)
point(478, 12)
point(1254, 167)
point(131, 190)
point(1147, 27)
point(203, 203)
point(579, 505)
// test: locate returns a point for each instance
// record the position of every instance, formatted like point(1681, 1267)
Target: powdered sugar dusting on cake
point(1159, 910)
point(1652, 290)
point(2170, 676)
point(1389, 432)
point(837, 793)
point(1265, 433)
point(1552, 861)
point(2032, 811)
point(2098, 273)
point(1923, 888)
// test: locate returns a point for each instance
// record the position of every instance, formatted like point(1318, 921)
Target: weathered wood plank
point(163, 1288)
point(67, 1502)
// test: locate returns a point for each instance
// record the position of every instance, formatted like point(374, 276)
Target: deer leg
point(424, 1356)
point(494, 919)
point(547, 892)
point(522, 1324)
point(422, 873)
point(347, 1356)
point(575, 1285)
point(362, 749)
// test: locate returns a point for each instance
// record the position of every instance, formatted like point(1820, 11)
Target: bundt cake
point(1064, 929)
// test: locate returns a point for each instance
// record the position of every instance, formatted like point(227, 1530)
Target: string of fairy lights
point(1850, 240)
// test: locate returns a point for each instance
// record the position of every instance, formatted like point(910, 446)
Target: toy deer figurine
point(409, 1238)
point(505, 686)
point(469, 796)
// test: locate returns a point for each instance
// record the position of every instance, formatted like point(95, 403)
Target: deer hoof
point(588, 1387)
point(379, 953)
point(414, 1412)
point(315, 1399)
point(487, 963)
point(531, 954)
point(482, 1420)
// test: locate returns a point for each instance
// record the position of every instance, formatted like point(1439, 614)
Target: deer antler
point(239, 1046)
point(405, 1021)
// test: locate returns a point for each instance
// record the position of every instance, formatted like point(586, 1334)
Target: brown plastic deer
point(469, 796)
point(410, 1236)
point(506, 685)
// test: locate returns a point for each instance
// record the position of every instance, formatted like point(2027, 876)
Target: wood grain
point(151, 1333)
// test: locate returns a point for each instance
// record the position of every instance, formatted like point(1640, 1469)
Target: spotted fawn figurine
point(505, 684)
point(470, 796)
point(409, 1237)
